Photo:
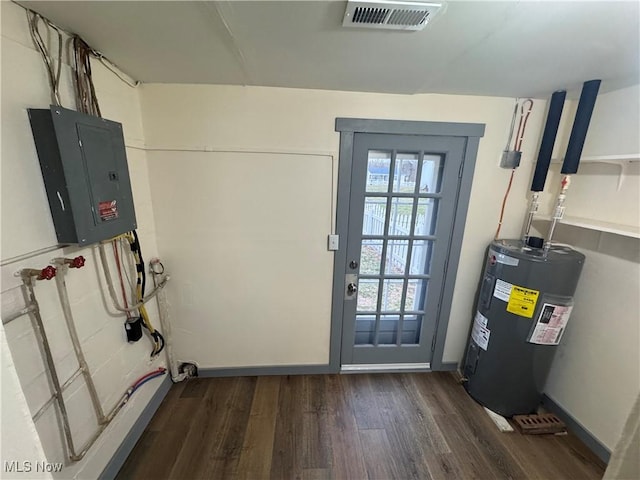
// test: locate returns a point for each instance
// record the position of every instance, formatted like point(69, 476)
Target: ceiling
point(501, 48)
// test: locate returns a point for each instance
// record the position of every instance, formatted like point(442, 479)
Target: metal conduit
point(73, 333)
point(28, 276)
point(50, 364)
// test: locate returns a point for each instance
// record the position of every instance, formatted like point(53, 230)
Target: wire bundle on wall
point(53, 68)
point(522, 125)
point(141, 284)
point(86, 100)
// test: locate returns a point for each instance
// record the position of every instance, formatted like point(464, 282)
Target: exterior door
point(401, 210)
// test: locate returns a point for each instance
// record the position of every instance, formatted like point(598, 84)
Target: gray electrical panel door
point(84, 167)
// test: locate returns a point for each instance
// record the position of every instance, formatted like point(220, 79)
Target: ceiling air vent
point(389, 15)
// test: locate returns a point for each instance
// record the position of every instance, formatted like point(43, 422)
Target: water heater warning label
point(480, 333)
point(551, 324)
point(522, 301)
point(502, 290)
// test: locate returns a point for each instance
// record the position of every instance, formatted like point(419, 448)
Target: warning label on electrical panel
point(522, 301)
point(551, 324)
point(108, 210)
point(480, 333)
point(502, 290)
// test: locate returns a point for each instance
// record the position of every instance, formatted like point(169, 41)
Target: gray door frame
point(348, 127)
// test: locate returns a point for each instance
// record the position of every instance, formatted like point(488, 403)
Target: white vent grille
point(389, 15)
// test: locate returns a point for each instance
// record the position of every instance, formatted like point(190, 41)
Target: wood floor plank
point(162, 455)
point(286, 461)
point(210, 419)
point(316, 474)
point(403, 438)
point(380, 464)
point(443, 466)
point(472, 462)
point(166, 408)
point(427, 385)
point(313, 393)
point(257, 449)
point(481, 430)
point(347, 460)
point(429, 431)
point(195, 388)
point(321, 427)
point(137, 458)
point(316, 445)
point(226, 447)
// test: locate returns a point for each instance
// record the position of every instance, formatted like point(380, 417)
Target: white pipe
point(165, 324)
point(533, 209)
point(75, 341)
point(558, 212)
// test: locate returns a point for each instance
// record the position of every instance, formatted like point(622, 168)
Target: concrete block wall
point(27, 227)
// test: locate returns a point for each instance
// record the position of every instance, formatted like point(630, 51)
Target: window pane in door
point(405, 172)
point(421, 257)
point(396, 257)
point(378, 171)
point(411, 328)
point(375, 209)
point(370, 257)
point(400, 218)
point(365, 329)
point(431, 174)
point(388, 329)
point(426, 216)
point(416, 293)
point(367, 295)
point(391, 295)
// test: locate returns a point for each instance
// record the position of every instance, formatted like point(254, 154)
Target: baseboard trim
point(305, 370)
point(448, 367)
point(578, 429)
point(265, 370)
point(125, 448)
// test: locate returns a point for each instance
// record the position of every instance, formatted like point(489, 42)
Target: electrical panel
point(84, 166)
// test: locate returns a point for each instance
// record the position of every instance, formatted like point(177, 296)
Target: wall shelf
point(622, 161)
point(590, 224)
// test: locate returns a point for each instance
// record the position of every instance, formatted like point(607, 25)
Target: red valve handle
point(47, 273)
point(77, 262)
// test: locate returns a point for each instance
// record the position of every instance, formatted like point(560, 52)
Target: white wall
point(27, 226)
point(596, 373)
point(254, 119)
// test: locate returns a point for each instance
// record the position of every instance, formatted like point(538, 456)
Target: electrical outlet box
point(85, 172)
point(510, 159)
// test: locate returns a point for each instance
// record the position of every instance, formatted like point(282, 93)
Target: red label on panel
point(108, 210)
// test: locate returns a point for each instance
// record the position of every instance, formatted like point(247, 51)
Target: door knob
point(352, 288)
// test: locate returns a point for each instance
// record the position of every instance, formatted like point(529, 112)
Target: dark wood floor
point(382, 426)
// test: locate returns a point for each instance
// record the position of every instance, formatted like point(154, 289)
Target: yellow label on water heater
point(522, 301)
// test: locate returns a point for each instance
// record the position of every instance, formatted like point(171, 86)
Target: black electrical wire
point(139, 249)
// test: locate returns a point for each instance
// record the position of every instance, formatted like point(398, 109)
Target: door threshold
point(386, 367)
